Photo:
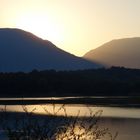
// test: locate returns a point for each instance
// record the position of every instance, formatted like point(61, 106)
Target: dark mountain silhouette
point(23, 51)
point(120, 52)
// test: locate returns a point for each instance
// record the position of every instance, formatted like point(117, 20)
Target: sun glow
point(41, 26)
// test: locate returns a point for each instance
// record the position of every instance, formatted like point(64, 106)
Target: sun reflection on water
point(72, 110)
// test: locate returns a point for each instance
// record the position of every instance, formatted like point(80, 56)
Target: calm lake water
point(124, 120)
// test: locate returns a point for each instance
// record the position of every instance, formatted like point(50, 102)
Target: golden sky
point(76, 26)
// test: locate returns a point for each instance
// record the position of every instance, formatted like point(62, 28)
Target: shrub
point(52, 127)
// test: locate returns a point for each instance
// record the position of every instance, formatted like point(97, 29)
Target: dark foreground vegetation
point(115, 81)
point(50, 126)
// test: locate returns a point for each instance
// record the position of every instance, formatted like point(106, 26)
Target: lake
point(124, 120)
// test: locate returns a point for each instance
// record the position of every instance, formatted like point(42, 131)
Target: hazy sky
point(76, 26)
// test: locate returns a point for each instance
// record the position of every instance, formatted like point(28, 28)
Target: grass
point(52, 127)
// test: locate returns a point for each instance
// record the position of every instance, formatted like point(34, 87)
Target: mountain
point(23, 51)
point(121, 52)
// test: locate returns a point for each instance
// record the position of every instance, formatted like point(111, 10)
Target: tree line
point(114, 81)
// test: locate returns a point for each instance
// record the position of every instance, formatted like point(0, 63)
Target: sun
point(41, 26)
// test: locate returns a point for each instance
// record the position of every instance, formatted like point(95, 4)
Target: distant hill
point(23, 51)
point(120, 52)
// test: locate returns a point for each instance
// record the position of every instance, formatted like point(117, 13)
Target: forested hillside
point(115, 81)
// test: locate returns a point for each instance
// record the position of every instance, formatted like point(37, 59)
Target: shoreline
point(98, 101)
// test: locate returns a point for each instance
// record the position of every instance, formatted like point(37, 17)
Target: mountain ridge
point(23, 51)
point(118, 52)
